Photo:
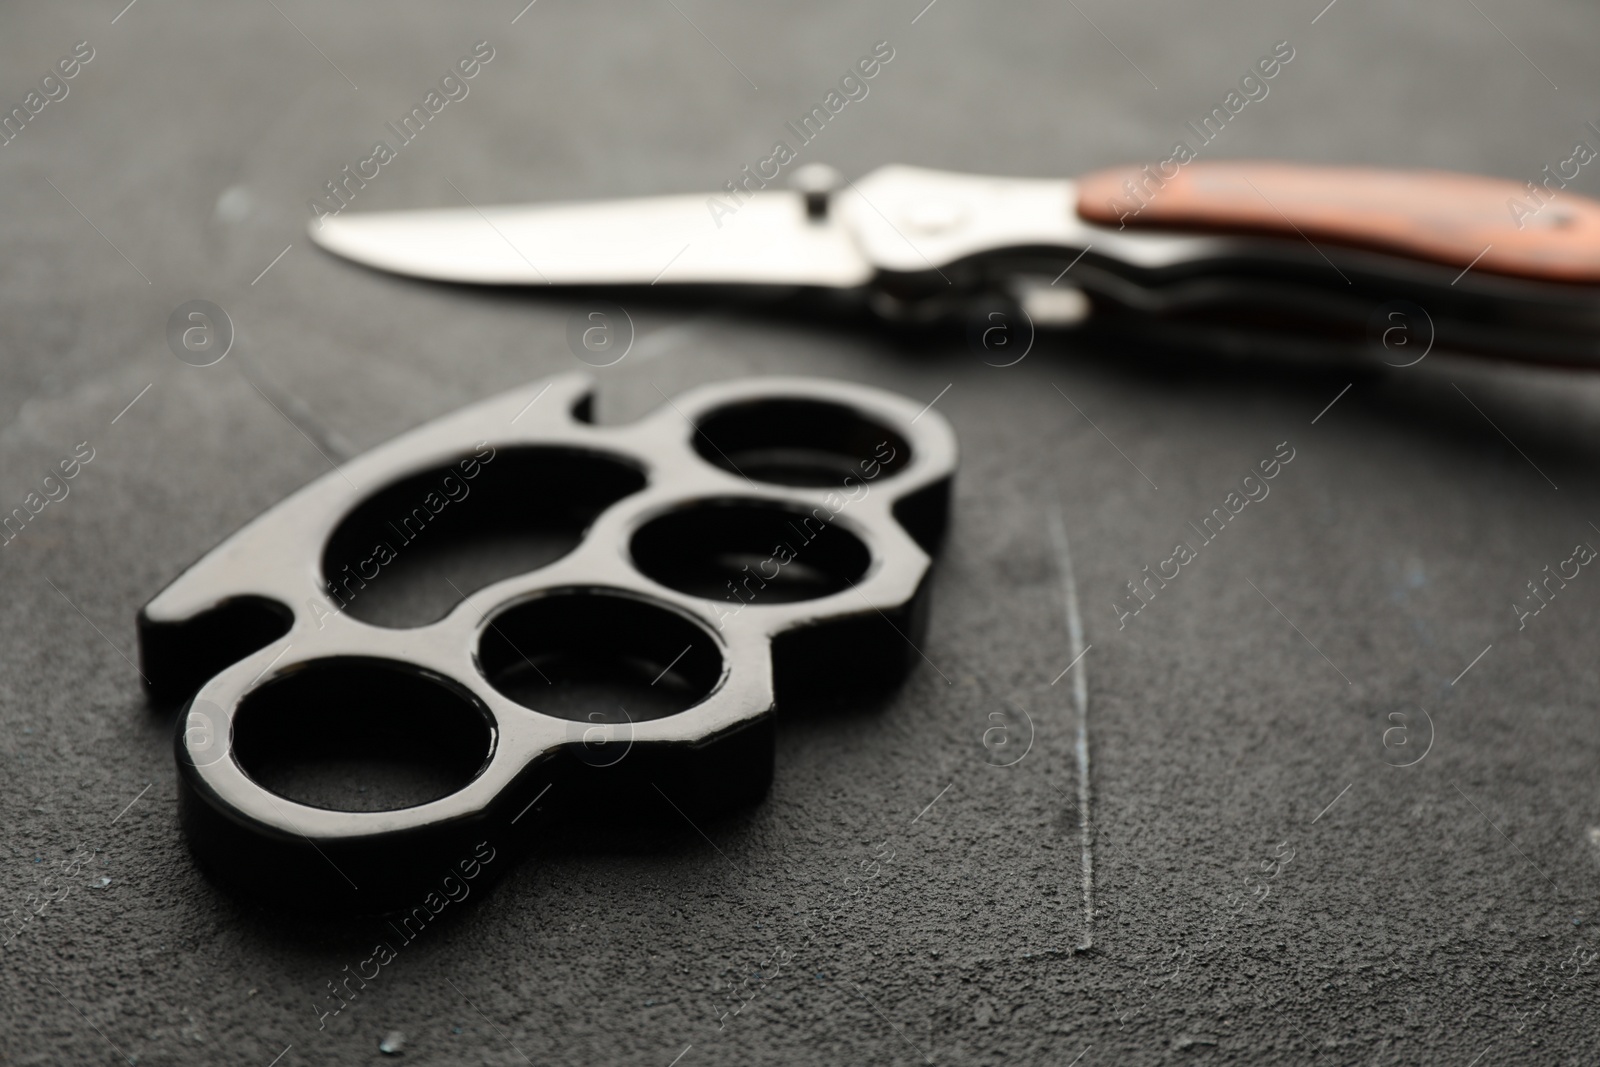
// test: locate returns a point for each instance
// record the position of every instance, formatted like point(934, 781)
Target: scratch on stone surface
point(1080, 700)
point(298, 412)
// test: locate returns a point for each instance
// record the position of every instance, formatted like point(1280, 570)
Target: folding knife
point(1228, 251)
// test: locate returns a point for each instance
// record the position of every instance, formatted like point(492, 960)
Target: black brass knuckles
point(661, 587)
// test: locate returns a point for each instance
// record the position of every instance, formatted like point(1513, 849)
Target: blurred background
point(1435, 912)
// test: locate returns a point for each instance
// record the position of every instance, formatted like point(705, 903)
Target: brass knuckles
point(256, 610)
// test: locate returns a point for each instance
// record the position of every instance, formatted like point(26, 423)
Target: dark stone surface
point(1431, 915)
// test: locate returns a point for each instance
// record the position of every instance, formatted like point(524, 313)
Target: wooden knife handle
point(1497, 226)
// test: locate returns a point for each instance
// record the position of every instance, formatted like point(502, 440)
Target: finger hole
point(597, 657)
point(361, 735)
point(408, 554)
point(799, 442)
point(747, 552)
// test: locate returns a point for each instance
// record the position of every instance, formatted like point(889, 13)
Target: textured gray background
point(1425, 918)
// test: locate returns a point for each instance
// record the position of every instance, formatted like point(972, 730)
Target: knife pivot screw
point(816, 182)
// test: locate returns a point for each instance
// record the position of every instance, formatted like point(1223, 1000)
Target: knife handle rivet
point(816, 182)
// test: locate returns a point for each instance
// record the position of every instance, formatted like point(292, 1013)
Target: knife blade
point(624, 242)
